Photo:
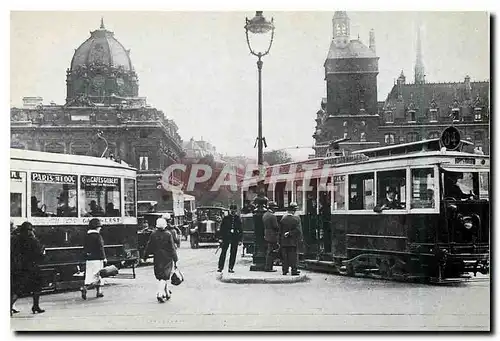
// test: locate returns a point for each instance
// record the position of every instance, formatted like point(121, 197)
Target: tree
point(276, 157)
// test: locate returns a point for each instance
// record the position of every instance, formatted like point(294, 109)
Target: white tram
point(60, 193)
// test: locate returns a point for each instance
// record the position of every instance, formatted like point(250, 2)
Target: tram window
point(422, 188)
point(391, 189)
point(460, 185)
point(484, 184)
point(361, 195)
point(298, 195)
point(53, 195)
point(16, 204)
point(339, 193)
point(129, 185)
point(101, 196)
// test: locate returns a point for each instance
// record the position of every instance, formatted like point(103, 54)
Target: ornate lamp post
point(261, 33)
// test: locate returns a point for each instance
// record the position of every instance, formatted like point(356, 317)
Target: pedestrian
point(173, 229)
point(271, 230)
point(95, 258)
point(26, 255)
point(290, 236)
point(161, 244)
point(231, 234)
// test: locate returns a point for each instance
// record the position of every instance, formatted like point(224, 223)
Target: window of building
point(339, 192)
point(433, 115)
point(361, 196)
point(401, 139)
point(389, 138)
point(129, 187)
point(413, 137)
point(17, 194)
point(53, 195)
point(345, 123)
point(362, 138)
point(434, 135)
point(100, 195)
point(455, 114)
point(478, 137)
point(143, 163)
point(363, 123)
point(345, 135)
point(389, 117)
point(411, 116)
point(422, 188)
point(477, 114)
point(391, 189)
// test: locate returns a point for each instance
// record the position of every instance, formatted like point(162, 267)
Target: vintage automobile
point(207, 226)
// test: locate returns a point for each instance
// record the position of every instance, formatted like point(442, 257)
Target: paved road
point(326, 302)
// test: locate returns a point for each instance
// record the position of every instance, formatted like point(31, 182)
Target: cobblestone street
point(325, 302)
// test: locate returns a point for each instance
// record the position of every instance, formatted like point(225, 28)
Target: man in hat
point(389, 202)
point(161, 245)
point(93, 248)
point(290, 236)
point(231, 233)
point(271, 230)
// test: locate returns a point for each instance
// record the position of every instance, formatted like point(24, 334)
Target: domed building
point(103, 116)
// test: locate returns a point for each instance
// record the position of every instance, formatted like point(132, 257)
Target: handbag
point(177, 277)
point(108, 271)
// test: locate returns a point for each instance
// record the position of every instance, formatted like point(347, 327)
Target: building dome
point(102, 48)
point(354, 49)
point(101, 72)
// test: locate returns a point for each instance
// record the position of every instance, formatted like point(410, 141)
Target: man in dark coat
point(231, 233)
point(161, 244)
point(290, 236)
point(389, 202)
point(26, 256)
point(271, 230)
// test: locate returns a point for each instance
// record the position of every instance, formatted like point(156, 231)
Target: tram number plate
point(465, 161)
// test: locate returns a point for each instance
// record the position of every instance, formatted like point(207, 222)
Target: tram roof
point(31, 155)
point(404, 148)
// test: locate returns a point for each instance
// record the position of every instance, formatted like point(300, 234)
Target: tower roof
point(103, 48)
point(354, 49)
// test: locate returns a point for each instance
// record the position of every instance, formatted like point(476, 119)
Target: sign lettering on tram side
point(465, 161)
point(16, 175)
point(100, 181)
point(53, 178)
point(73, 220)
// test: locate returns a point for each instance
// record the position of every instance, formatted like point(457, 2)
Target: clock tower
point(341, 29)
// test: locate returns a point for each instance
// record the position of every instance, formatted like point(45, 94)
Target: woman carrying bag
point(93, 248)
point(161, 244)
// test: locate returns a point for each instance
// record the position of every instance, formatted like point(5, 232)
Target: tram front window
point(460, 186)
point(53, 195)
point(101, 196)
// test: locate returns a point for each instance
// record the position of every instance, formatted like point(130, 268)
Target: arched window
point(389, 138)
point(362, 138)
point(413, 137)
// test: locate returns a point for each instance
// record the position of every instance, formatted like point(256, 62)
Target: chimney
point(372, 40)
point(468, 88)
point(401, 81)
point(32, 102)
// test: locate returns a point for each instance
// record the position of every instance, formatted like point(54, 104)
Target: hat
point(26, 227)
point(94, 223)
point(166, 216)
point(391, 190)
point(293, 206)
point(272, 204)
point(161, 223)
point(233, 207)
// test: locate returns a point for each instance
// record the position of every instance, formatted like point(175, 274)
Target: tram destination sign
point(465, 161)
point(100, 181)
point(347, 159)
point(53, 178)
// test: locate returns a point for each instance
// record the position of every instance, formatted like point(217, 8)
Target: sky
point(197, 69)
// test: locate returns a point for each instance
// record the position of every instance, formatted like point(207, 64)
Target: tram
point(59, 194)
point(414, 211)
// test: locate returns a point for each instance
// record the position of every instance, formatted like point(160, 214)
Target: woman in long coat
point(26, 256)
point(161, 245)
point(93, 248)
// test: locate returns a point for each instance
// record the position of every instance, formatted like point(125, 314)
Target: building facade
point(352, 116)
point(103, 116)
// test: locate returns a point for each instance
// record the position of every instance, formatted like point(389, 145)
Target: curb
point(255, 280)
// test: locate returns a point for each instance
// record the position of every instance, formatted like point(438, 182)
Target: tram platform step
point(318, 265)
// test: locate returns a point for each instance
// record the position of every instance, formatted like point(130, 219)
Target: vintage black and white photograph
point(250, 170)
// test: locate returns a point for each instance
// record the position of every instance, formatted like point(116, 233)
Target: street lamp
point(259, 43)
